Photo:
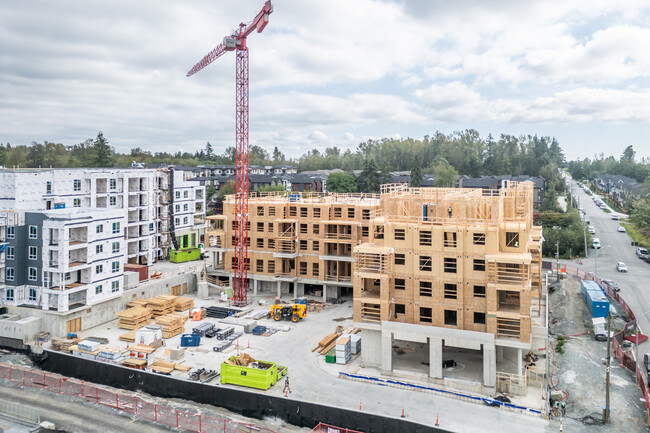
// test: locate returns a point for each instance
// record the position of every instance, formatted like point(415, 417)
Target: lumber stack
point(164, 367)
point(64, 345)
point(138, 303)
point(129, 337)
point(161, 305)
point(172, 324)
point(327, 343)
point(134, 318)
point(182, 303)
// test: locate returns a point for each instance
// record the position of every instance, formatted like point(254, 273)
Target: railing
point(338, 278)
point(626, 359)
point(338, 236)
point(175, 418)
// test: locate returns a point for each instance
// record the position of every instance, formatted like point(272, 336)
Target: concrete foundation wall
point(12, 326)
point(55, 323)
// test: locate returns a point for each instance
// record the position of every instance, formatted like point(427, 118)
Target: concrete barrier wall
point(242, 401)
point(24, 330)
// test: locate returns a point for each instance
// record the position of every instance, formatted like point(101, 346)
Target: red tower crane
point(237, 42)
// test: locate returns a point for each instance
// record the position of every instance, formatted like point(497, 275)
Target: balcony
point(371, 259)
point(285, 248)
point(338, 278)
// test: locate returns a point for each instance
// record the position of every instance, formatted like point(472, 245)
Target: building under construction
point(437, 270)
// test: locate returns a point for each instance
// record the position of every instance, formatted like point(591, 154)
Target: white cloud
point(322, 73)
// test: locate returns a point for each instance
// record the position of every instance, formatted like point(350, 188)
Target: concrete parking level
point(314, 380)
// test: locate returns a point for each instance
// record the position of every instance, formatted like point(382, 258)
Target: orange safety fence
point(626, 360)
point(187, 421)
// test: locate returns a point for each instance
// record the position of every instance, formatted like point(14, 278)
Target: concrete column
point(489, 368)
point(499, 353)
point(64, 302)
point(520, 367)
point(202, 291)
point(255, 287)
point(231, 282)
point(300, 287)
point(295, 290)
point(435, 357)
point(45, 301)
point(279, 289)
point(324, 292)
point(387, 352)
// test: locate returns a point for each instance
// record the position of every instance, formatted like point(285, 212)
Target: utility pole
point(557, 259)
point(609, 333)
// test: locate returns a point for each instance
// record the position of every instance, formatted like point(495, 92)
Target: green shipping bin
point(330, 358)
point(252, 377)
point(185, 255)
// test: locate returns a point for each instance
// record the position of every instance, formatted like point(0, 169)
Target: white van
point(595, 243)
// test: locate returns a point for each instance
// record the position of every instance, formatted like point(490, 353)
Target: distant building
point(620, 188)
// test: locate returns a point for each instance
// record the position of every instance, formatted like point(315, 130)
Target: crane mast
point(237, 42)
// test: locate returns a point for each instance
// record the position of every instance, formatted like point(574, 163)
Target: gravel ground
point(580, 371)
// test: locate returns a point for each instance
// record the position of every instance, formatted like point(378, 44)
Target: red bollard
point(403, 411)
point(249, 343)
point(437, 425)
point(359, 405)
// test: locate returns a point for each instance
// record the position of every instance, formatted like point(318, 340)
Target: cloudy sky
point(327, 73)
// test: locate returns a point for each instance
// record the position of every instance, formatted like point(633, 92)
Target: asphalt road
point(616, 247)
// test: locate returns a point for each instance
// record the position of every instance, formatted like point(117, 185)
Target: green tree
point(272, 187)
point(103, 152)
point(445, 174)
point(209, 152)
point(278, 157)
point(341, 182)
point(226, 189)
point(549, 202)
point(210, 191)
point(369, 179)
point(416, 173)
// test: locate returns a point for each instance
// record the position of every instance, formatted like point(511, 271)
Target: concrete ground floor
point(296, 287)
point(463, 360)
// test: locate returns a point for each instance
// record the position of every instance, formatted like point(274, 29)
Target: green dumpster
point(184, 255)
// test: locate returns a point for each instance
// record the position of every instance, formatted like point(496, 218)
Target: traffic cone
point(437, 425)
point(249, 343)
point(286, 393)
point(359, 405)
point(402, 411)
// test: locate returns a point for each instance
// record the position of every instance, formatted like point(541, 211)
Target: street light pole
point(609, 332)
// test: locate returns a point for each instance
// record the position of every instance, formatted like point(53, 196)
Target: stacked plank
point(327, 343)
point(129, 337)
point(182, 303)
point(167, 367)
point(161, 305)
point(134, 318)
point(172, 324)
point(138, 303)
point(64, 345)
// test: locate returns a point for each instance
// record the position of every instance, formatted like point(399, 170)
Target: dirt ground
point(580, 370)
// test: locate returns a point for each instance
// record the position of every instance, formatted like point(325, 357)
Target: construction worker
point(449, 210)
point(563, 407)
point(516, 244)
point(286, 385)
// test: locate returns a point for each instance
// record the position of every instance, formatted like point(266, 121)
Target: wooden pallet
point(182, 303)
point(129, 337)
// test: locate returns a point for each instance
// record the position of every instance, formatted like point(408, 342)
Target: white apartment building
point(188, 209)
point(62, 259)
point(142, 195)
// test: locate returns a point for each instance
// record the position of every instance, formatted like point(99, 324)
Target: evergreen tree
point(416, 173)
point(209, 152)
point(369, 179)
point(103, 152)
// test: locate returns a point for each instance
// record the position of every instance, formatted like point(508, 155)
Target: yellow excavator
point(293, 312)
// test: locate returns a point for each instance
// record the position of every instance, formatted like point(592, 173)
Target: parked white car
point(591, 230)
point(595, 243)
point(621, 229)
point(615, 217)
point(621, 267)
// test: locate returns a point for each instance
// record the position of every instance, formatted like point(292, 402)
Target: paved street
point(617, 246)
